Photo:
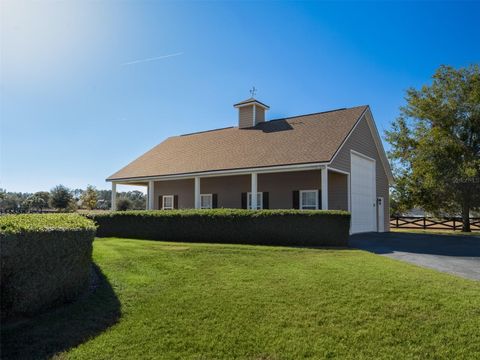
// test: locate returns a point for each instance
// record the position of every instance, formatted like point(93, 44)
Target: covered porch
point(293, 187)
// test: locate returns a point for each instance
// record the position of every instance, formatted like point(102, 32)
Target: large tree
point(436, 144)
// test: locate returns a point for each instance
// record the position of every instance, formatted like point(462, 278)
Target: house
point(327, 160)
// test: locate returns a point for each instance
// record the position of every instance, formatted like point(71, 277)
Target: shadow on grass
point(58, 330)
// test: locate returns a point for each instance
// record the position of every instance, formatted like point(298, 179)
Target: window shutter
point(160, 202)
point(175, 201)
point(214, 201)
point(244, 200)
point(265, 200)
point(319, 199)
point(296, 199)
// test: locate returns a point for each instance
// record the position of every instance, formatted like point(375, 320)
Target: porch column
point(114, 196)
point(197, 193)
point(324, 188)
point(254, 192)
point(151, 195)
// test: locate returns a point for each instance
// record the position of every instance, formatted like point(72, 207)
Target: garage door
point(363, 194)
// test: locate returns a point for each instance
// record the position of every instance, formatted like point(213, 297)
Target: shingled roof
point(312, 138)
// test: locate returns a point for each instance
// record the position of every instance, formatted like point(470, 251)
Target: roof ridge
point(205, 131)
point(317, 113)
point(279, 119)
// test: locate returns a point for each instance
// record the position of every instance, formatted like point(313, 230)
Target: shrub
point(276, 227)
point(45, 260)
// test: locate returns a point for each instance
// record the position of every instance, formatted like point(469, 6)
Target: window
point(205, 201)
point(309, 199)
point(167, 202)
point(259, 200)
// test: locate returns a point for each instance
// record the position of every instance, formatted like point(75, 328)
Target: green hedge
point(45, 259)
point(275, 227)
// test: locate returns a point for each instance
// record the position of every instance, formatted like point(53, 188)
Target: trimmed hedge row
point(234, 226)
point(45, 260)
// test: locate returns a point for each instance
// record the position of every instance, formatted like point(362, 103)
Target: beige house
point(327, 160)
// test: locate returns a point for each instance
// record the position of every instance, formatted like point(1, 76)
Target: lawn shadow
point(60, 329)
point(432, 244)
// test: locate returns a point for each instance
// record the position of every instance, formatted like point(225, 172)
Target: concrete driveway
point(458, 255)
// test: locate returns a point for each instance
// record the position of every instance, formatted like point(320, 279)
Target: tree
point(45, 195)
point(124, 204)
point(34, 202)
point(89, 197)
point(436, 144)
point(61, 197)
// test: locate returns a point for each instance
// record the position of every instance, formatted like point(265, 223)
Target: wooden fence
point(427, 223)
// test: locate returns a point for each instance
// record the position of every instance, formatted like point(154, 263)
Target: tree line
point(60, 198)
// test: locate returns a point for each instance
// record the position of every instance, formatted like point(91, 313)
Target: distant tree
point(124, 204)
point(436, 144)
point(89, 198)
point(45, 195)
point(138, 199)
point(34, 202)
point(61, 198)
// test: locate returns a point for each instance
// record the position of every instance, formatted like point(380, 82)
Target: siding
point(228, 189)
point(280, 187)
point(245, 116)
point(361, 140)
point(337, 191)
point(183, 188)
point(259, 114)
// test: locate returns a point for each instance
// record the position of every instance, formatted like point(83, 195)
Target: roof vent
point(250, 113)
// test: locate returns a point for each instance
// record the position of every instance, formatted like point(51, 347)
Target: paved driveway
point(458, 255)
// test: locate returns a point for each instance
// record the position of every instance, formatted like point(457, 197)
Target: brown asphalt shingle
point(297, 140)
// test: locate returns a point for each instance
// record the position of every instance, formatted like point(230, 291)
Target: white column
point(324, 188)
point(254, 191)
point(114, 196)
point(151, 195)
point(197, 193)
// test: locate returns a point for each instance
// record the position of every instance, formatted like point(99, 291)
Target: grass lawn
point(206, 301)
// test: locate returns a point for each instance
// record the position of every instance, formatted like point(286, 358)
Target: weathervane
point(253, 91)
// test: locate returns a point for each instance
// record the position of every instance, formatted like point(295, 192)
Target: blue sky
point(77, 105)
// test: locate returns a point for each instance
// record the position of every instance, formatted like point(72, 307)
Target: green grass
point(198, 301)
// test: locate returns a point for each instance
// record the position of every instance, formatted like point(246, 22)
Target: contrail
point(151, 59)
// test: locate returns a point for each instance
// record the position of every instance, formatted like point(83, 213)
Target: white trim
point(197, 193)
point(163, 202)
point(381, 214)
point(349, 193)
point(211, 201)
point(338, 171)
point(114, 196)
point(254, 190)
point(300, 206)
point(151, 195)
point(216, 173)
point(324, 179)
point(259, 205)
point(254, 115)
point(365, 157)
point(379, 144)
point(250, 103)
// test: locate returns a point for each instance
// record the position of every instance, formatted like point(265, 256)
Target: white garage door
point(363, 194)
